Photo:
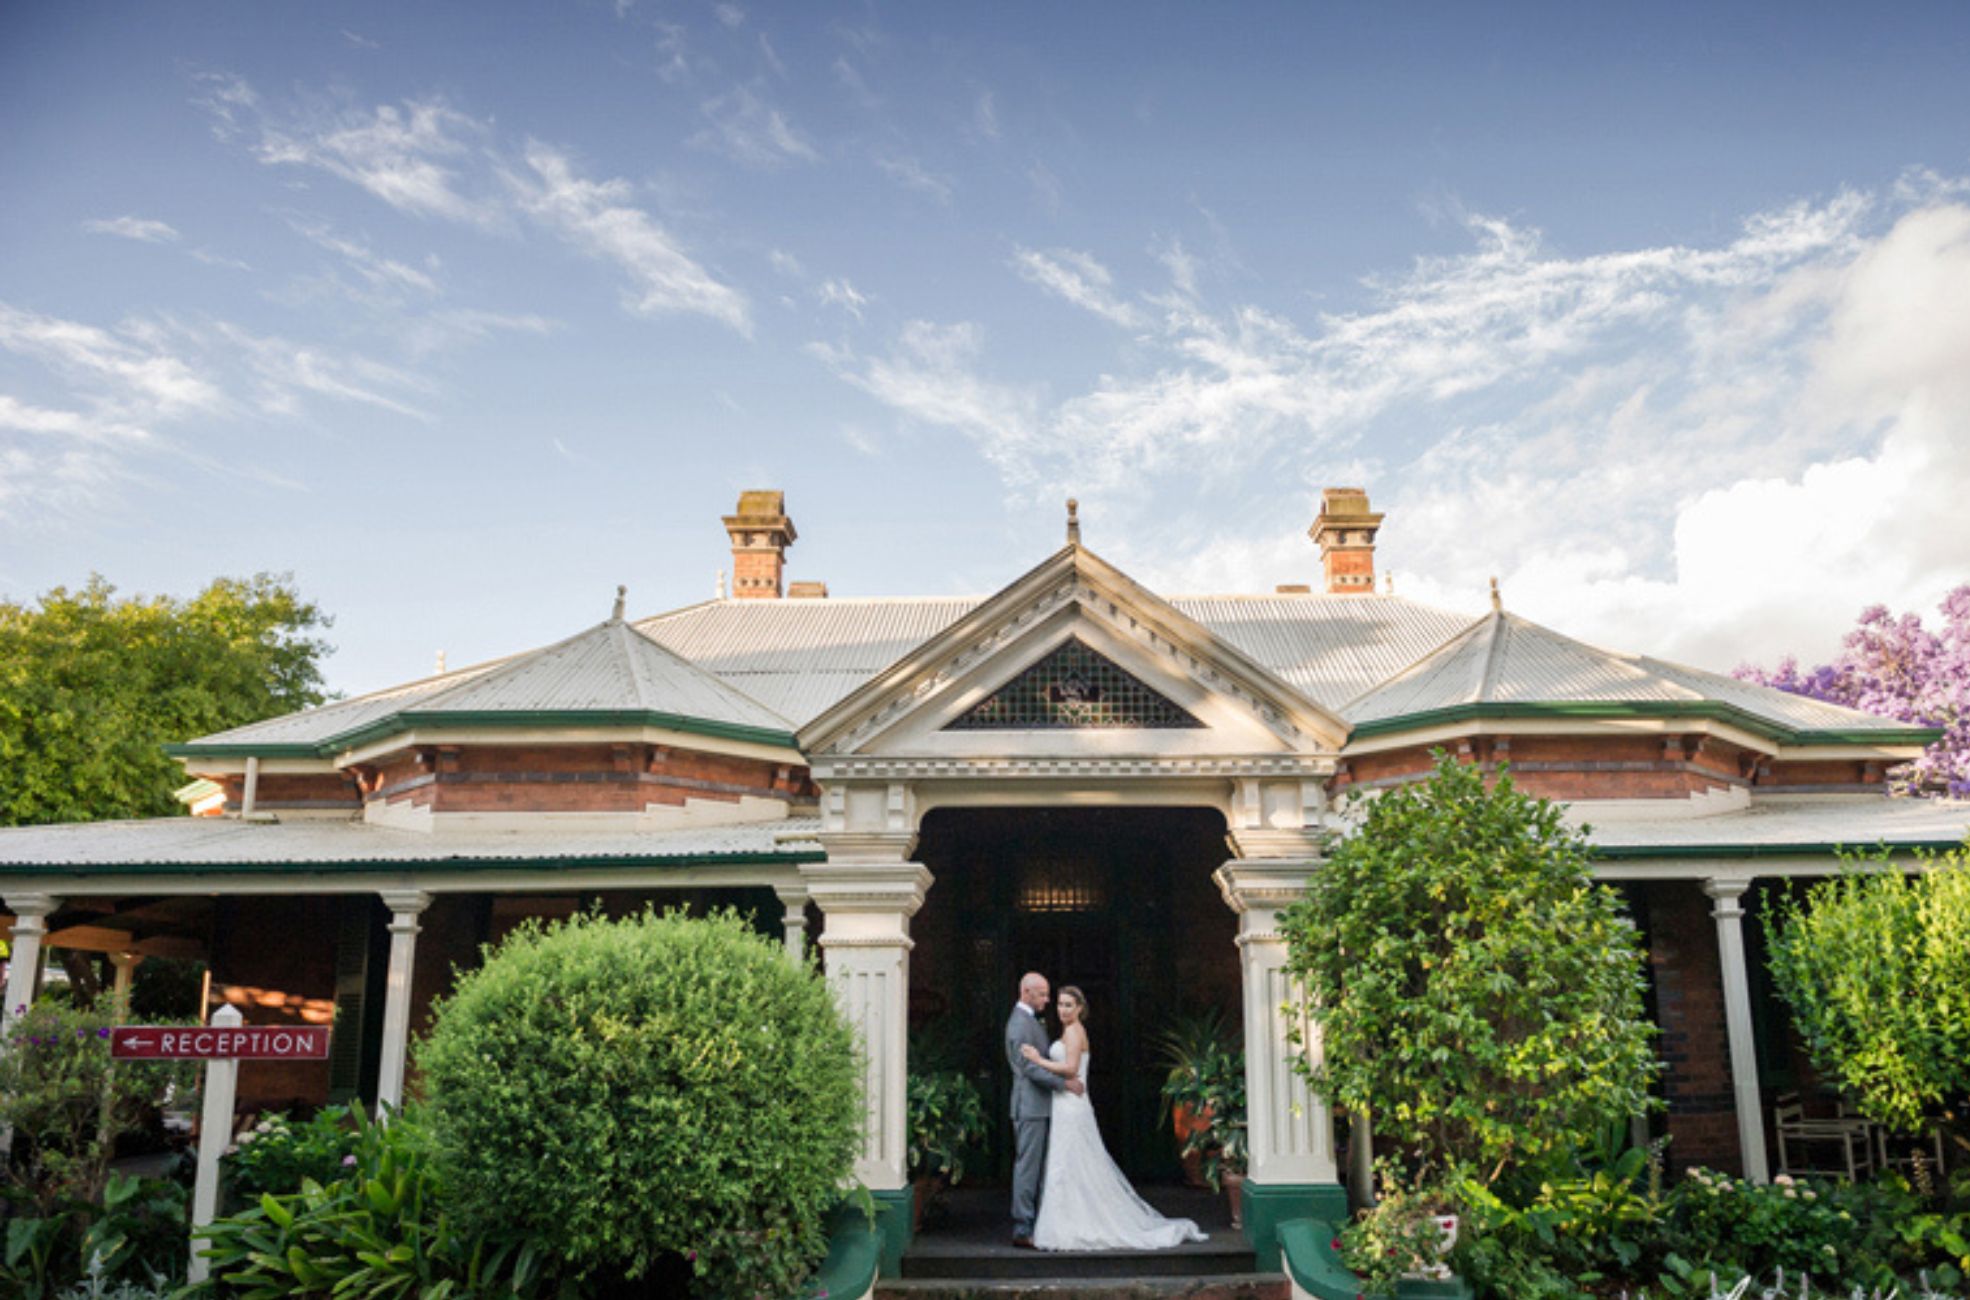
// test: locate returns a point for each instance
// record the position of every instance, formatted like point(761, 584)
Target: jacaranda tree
point(1477, 993)
point(1896, 667)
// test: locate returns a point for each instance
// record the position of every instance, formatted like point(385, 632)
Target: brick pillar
point(1695, 1042)
point(761, 532)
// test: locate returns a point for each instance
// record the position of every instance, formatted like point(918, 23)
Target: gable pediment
point(1074, 658)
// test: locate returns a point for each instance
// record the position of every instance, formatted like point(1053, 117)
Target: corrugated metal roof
point(1328, 648)
point(1505, 659)
point(607, 668)
point(219, 842)
point(1860, 821)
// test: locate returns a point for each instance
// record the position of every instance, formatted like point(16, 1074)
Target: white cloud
point(135, 370)
point(729, 14)
point(843, 294)
point(1707, 452)
point(410, 156)
point(786, 263)
point(912, 175)
point(283, 371)
point(985, 115)
point(360, 41)
point(17, 416)
point(142, 229)
point(749, 130)
point(378, 271)
point(596, 217)
point(1079, 279)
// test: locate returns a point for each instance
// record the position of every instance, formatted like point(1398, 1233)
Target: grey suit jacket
point(1030, 1083)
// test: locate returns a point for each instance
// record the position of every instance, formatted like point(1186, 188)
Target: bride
point(1085, 1202)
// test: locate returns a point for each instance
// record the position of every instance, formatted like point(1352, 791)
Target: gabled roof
point(1504, 666)
point(803, 656)
point(1075, 567)
point(609, 675)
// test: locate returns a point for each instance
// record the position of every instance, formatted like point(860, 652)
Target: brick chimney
point(761, 534)
point(1345, 533)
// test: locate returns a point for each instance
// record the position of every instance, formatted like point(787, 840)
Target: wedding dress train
point(1085, 1201)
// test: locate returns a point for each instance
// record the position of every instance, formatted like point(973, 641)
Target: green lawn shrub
point(380, 1229)
point(278, 1153)
point(67, 1104)
point(1478, 994)
point(633, 1094)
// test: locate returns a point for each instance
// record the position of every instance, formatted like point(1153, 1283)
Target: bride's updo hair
point(1080, 999)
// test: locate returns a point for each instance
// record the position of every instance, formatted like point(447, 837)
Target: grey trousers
point(1029, 1163)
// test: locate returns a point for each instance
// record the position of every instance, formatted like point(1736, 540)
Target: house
point(1074, 774)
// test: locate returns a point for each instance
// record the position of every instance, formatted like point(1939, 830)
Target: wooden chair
point(1900, 1150)
point(1805, 1143)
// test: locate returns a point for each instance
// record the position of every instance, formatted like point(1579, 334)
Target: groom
point(1032, 1109)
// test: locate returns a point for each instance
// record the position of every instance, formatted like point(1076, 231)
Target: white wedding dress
point(1085, 1202)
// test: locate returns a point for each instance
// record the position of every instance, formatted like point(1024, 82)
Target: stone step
point(1215, 1286)
point(1225, 1256)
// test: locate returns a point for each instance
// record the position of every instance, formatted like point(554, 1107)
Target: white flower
point(244, 1138)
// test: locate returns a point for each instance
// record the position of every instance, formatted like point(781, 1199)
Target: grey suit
point(1032, 1110)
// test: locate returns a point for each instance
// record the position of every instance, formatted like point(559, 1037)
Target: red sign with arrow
point(207, 1043)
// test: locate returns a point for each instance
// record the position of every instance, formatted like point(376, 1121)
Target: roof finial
point(1497, 601)
point(1388, 583)
point(1073, 522)
point(622, 593)
point(441, 663)
point(719, 593)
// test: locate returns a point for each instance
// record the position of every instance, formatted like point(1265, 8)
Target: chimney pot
point(1345, 532)
point(807, 590)
point(761, 532)
point(1294, 589)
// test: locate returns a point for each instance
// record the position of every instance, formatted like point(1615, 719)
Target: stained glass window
point(1073, 688)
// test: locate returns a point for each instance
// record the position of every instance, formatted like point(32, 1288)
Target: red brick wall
point(1694, 1046)
point(1570, 767)
point(576, 778)
point(756, 574)
point(290, 790)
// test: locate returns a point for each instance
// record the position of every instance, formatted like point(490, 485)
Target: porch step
point(1217, 1286)
point(969, 1242)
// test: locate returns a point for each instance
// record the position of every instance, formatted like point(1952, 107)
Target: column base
point(894, 1208)
point(1267, 1205)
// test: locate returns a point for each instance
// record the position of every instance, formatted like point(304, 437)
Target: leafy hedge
point(629, 1094)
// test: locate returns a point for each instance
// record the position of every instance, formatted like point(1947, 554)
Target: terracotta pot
point(1184, 1121)
point(923, 1192)
point(1234, 1191)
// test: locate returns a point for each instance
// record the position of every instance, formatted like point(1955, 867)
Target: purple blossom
point(103, 1032)
point(1896, 668)
point(348, 1162)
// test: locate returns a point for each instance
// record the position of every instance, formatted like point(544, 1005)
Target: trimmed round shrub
point(648, 1091)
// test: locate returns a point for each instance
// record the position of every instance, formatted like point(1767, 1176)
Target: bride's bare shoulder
point(1077, 1035)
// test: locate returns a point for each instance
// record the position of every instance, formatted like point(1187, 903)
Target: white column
point(215, 1134)
point(1291, 1130)
point(1737, 1019)
point(405, 907)
point(794, 899)
point(126, 964)
point(867, 893)
point(24, 956)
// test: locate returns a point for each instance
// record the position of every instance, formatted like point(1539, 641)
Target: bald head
point(1033, 991)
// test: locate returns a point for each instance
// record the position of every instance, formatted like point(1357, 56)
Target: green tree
point(92, 685)
point(1876, 966)
point(1476, 991)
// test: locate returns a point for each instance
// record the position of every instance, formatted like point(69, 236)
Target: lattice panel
point(1073, 688)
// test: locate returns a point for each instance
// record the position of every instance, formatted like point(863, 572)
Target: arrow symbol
point(135, 1041)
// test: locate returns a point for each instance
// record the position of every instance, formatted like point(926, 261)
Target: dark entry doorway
point(1118, 901)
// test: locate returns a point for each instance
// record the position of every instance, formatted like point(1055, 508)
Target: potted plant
point(947, 1117)
point(1192, 1052)
point(1221, 1145)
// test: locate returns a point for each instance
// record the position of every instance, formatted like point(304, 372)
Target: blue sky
point(465, 313)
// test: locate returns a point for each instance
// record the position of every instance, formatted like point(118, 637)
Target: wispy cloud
point(133, 369)
point(428, 159)
point(843, 294)
point(360, 41)
point(596, 217)
point(1079, 279)
point(913, 176)
point(729, 14)
point(747, 129)
point(1679, 405)
point(17, 416)
point(142, 229)
point(850, 79)
point(985, 115)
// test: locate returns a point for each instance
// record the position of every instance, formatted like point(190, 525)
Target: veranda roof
point(230, 844)
point(1503, 665)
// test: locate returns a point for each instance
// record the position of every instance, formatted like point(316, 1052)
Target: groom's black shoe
point(1024, 1243)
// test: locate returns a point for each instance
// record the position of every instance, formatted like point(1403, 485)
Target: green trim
point(854, 1257)
point(1715, 710)
point(401, 865)
point(1310, 1260)
point(1270, 1205)
point(397, 723)
point(1410, 1288)
point(1829, 850)
point(894, 1208)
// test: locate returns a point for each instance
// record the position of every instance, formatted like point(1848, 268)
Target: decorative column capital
point(868, 846)
point(843, 889)
point(1726, 891)
point(1263, 884)
point(1304, 844)
point(35, 906)
point(399, 901)
point(792, 894)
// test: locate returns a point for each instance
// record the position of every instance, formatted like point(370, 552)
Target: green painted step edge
point(854, 1255)
point(894, 1209)
point(1268, 1205)
point(1315, 1267)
